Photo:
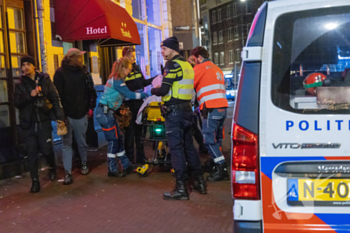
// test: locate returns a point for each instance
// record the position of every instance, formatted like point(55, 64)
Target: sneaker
point(68, 178)
point(84, 169)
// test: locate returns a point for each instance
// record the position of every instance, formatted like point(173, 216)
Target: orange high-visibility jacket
point(209, 83)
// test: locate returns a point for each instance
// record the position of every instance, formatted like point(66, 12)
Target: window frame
point(215, 38)
point(229, 34)
point(238, 55)
point(222, 58)
point(234, 10)
point(213, 17)
point(216, 58)
point(219, 11)
point(230, 56)
point(236, 32)
point(221, 37)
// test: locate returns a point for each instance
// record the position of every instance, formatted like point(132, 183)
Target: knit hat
point(28, 59)
point(171, 43)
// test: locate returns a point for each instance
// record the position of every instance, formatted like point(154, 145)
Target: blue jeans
point(79, 126)
point(178, 126)
point(114, 137)
point(213, 133)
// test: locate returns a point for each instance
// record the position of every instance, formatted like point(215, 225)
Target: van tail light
point(245, 164)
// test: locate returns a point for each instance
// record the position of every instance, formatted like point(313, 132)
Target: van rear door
point(304, 125)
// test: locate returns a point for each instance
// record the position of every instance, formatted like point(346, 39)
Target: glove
point(144, 95)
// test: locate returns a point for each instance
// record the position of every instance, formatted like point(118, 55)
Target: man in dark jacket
point(136, 82)
point(35, 120)
point(78, 95)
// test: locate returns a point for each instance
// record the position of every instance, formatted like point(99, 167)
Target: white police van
point(291, 124)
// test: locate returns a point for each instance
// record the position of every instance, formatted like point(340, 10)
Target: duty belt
point(180, 106)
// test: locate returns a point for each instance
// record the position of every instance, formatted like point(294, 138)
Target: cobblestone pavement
point(97, 203)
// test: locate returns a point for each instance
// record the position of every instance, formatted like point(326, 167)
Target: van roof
point(318, 3)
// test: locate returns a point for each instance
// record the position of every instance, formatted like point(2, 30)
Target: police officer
point(136, 82)
point(177, 91)
point(209, 83)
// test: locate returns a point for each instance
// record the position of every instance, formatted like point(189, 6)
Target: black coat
point(76, 89)
point(26, 104)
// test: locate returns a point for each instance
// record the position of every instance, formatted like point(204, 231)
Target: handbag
point(43, 104)
point(61, 128)
point(124, 116)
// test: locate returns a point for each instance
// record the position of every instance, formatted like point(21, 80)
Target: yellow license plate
point(320, 189)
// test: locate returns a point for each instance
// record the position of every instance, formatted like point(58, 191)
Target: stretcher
point(153, 130)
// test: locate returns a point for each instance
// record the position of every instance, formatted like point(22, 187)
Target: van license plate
point(318, 192)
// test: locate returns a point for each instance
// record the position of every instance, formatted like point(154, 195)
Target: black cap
point(28, 59)
point(171, 43)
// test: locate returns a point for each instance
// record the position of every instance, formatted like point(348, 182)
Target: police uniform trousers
point(178, 124)
point(133, 134)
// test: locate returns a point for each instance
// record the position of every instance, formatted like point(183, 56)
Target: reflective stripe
point(218, 159)
point(185, 91)
point(138, 75)
point(187, 81)
point(212, 97)
point(110, 155)
point(211, 88)
point(174, 70)
point(171, 75)
point(137, 96)
point(120, 154)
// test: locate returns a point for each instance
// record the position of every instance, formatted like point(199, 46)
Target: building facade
point(19, 35)
point(185, 22)
point(229, 24)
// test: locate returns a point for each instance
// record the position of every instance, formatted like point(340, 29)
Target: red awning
point(103, 21)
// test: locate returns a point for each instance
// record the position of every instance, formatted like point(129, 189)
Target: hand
point(90, 113)
point(144, 95)
point(33, 93)
point(191, 60)
point(60, 123)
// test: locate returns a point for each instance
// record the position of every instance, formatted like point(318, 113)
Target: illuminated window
point(17, 38)
point(216, 58)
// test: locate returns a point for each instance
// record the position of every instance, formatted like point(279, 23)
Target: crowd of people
point(71, 98)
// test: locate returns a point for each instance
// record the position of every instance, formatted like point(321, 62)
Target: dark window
point(311, 62)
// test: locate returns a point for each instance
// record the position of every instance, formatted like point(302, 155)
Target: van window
point(311, 62)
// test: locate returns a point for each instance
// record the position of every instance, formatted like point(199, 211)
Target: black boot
point(52, 174)
point(219, 173)
point(35, 186)
point(200, 185)
point(179, 193)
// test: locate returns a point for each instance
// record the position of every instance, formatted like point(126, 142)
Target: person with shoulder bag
point(78, 95)
point(36, 98)
point(111, 100)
